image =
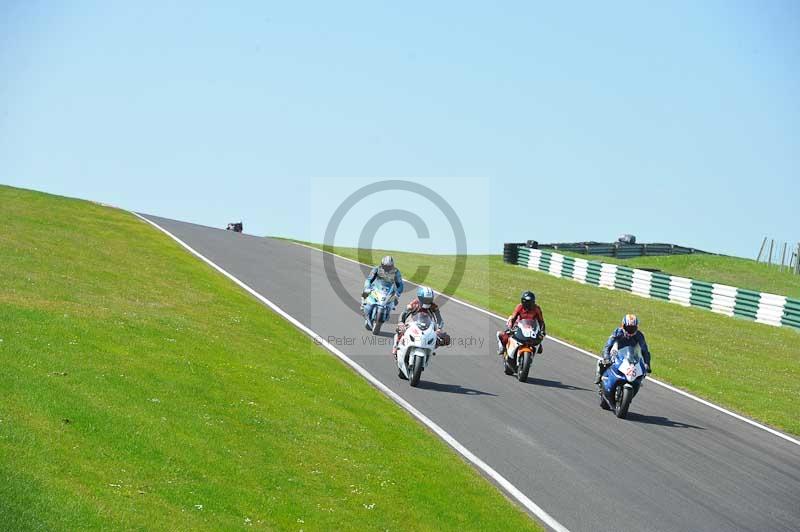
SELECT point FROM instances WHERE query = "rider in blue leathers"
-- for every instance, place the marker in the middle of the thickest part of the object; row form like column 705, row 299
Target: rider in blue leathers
column 386, row 272
column 627, row 335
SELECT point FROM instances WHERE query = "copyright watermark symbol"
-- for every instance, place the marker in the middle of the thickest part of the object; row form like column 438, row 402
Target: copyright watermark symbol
column 469, row 342
column 415, row 218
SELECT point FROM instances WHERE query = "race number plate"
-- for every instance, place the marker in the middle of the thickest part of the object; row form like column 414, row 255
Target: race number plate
column 631, row 371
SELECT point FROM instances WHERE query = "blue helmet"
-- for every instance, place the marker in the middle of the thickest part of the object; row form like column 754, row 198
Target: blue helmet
column 425, row 296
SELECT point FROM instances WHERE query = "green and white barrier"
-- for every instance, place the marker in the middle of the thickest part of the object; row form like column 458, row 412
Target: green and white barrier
column 770, row 309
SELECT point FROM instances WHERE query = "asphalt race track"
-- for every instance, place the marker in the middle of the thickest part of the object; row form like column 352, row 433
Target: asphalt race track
column 674, row 464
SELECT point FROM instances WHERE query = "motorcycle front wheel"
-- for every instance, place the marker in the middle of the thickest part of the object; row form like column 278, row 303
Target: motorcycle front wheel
column 524, row 367
column 416, row 371
column 623, row 403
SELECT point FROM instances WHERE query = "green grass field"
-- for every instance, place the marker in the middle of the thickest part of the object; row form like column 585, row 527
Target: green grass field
column 142, row 390
column 748, row 367
column 733, row 271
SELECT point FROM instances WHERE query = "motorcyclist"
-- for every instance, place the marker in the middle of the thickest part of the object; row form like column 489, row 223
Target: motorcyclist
column 626, row 335
column 387, row 272
column 422, row 303
column 526, row 310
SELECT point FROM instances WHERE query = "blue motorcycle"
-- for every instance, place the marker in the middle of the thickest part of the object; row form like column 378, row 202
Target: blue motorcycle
column 621, row 380
column 380, row 301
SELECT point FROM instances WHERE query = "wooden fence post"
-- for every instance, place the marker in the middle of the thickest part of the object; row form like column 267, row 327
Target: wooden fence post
column 783, row 256
column 797, row 260
column 760, row 251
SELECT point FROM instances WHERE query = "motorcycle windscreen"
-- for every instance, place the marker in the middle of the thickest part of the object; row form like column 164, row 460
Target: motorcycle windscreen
column 631, row 353
column 423, row 321
column 630, row 362
column 382, row 290
column 528, row 328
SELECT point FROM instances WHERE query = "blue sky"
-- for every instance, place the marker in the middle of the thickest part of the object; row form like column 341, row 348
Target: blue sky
column 678, row 122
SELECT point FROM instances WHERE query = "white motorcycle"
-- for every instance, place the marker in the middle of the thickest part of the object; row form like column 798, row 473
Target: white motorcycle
column 415, row 348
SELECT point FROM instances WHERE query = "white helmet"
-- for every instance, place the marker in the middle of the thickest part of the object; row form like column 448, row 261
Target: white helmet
column 387, row 263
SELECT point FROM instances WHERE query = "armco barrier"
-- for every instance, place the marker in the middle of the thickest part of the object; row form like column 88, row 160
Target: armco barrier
column 765, row 308
column 620, row 250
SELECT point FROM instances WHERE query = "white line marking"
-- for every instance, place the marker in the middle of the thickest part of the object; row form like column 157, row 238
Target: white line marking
column 450, row 440
column 562, row 342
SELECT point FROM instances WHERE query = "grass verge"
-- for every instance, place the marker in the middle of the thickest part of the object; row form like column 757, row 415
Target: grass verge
column 746, row 366
column 142, row 390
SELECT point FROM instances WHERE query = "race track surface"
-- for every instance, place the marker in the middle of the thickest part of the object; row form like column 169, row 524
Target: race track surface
column 674, row 464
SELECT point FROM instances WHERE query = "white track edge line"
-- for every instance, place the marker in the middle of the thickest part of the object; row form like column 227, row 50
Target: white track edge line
column 450, row 440
column 585, row 352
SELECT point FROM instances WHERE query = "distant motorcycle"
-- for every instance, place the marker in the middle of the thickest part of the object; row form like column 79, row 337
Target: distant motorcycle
column 236, row 227
column 622, row 380
column 521, row 348
column 380, row 301
column 416, row 347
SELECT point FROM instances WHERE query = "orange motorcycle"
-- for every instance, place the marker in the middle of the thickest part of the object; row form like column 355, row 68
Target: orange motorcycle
column 521, row 348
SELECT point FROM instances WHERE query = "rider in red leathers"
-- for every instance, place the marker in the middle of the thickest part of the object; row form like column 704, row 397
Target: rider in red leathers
column 526, row 310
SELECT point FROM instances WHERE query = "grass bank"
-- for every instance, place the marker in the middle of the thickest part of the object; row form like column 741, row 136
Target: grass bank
column 746, row 366
column 733, row 271
column 142, row 390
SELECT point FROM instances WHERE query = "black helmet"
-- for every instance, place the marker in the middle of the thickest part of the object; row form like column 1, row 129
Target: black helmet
column 528, row 300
